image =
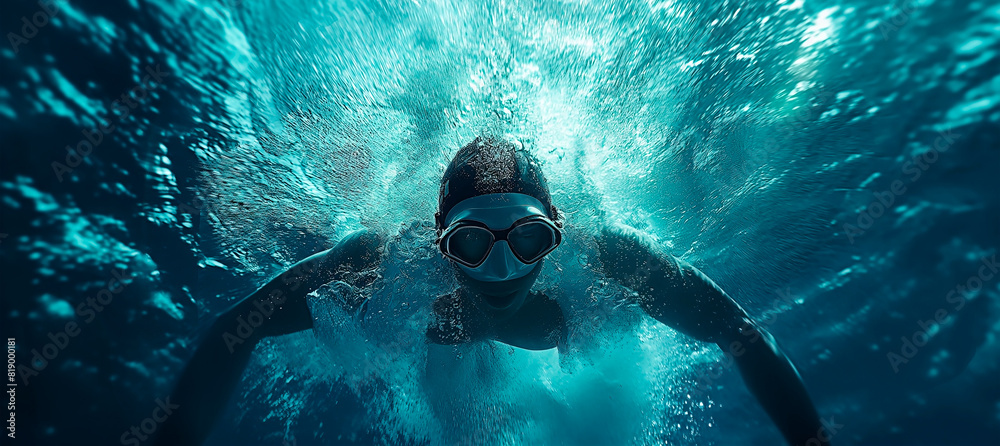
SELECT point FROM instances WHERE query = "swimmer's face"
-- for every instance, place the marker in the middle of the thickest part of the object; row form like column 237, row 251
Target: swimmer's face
column 496, row 243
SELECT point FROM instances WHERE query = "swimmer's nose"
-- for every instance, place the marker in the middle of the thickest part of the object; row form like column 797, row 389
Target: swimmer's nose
column 501, row 263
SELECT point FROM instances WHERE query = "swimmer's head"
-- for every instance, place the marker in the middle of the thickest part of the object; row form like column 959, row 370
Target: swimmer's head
column 489, row 166
column 496, row 220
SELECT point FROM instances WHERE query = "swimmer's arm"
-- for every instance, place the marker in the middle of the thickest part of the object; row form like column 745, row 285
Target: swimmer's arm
column 680, row 296
column 212, row 373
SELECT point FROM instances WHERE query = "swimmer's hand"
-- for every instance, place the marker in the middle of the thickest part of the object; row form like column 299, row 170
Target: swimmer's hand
column 683, row 298
column 277, row 308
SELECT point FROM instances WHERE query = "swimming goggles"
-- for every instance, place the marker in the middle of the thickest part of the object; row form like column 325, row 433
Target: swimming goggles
column 469, row 242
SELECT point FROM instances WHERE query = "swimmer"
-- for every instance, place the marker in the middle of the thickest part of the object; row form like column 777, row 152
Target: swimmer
column 495, row 224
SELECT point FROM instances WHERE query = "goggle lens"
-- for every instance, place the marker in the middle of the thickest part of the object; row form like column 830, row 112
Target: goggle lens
column 531, row 240
column 470, row 244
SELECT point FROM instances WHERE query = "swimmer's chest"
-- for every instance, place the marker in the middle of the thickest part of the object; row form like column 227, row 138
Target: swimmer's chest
column 539, row 324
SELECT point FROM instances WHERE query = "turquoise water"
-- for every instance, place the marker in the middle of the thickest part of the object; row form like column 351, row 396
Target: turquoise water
column 832, row 165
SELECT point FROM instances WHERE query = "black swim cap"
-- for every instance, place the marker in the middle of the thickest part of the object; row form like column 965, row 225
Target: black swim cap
column 489, row 166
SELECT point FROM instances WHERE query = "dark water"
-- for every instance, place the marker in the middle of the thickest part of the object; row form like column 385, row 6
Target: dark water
column 832, row 165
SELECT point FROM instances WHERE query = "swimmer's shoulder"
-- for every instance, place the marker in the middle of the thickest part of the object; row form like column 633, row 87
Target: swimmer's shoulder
column 371, row 240
column 358, row 250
